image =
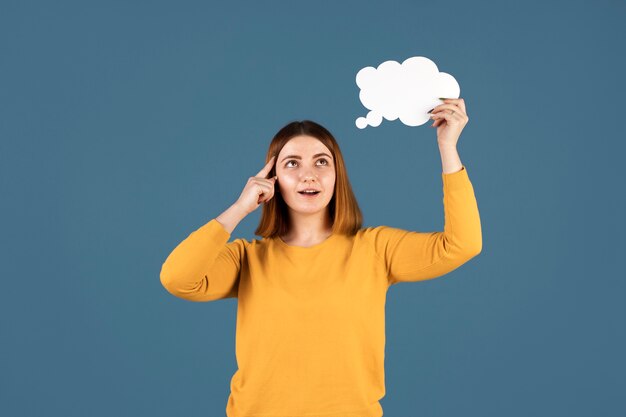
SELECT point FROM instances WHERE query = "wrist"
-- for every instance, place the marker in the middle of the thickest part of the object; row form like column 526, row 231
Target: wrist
column 446, row 147
column 238, row 210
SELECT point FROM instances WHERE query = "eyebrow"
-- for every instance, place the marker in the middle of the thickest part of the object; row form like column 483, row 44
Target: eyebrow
column 313, row 157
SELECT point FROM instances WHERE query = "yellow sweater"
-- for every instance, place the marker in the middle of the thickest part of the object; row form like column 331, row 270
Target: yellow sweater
column 310, row 337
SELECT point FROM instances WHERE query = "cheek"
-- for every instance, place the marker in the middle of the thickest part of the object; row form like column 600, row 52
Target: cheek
column 284, row 176
column 286, row 181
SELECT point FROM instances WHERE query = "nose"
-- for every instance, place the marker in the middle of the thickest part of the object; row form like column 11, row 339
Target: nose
column 309, row 177
column 308, row 173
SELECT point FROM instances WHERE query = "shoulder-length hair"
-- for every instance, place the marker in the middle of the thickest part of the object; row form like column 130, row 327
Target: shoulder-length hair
column 343, row 208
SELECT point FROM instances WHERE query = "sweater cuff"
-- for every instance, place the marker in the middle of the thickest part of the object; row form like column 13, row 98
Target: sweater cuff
column 455, row 180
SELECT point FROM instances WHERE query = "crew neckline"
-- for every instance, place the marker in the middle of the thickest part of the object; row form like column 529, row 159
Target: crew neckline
column 282, row 243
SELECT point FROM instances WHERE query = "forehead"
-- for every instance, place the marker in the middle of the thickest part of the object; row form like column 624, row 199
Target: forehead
column 304, row 144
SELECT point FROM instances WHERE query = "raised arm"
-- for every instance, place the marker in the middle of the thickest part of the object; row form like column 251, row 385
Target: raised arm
column 415, row 256
column 204, row 267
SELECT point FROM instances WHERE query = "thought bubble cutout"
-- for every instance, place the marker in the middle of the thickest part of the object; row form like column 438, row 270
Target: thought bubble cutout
column 406, row 91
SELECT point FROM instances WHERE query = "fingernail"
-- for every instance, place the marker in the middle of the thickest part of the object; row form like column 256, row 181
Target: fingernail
column 442, row 98
column 431, row 110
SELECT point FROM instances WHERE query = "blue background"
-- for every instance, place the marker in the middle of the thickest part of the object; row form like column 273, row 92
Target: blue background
column 128, row 125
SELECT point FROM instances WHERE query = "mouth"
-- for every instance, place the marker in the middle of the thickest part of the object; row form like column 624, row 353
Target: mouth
column 308, row 195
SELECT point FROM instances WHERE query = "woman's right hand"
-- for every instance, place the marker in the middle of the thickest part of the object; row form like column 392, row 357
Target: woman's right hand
column 258, row 189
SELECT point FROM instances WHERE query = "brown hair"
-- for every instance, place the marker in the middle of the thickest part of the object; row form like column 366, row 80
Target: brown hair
column 345, row 213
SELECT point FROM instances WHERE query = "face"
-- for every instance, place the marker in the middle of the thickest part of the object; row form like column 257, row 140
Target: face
column 299, row 166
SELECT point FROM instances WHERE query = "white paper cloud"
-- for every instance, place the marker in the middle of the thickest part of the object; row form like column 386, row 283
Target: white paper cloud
column 406, row 91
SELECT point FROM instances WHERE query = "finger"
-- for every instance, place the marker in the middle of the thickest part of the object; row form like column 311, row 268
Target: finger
column 458, row 101
column 269, row 181
column 266, row 184
column 266, row 194
column 267, row 168
column 439, row 121
column 451, row 118
column 267, row 198
column 262, row 189
column 451, row 107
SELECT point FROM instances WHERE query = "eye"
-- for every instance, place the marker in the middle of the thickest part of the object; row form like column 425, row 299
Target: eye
column 293, row 160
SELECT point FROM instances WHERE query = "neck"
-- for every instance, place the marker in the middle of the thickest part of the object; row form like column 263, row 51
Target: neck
column 309, row 227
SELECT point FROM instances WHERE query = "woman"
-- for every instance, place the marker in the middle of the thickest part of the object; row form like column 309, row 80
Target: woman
column 311, row 294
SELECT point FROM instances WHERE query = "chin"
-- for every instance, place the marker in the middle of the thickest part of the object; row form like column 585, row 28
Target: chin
column 309, row 209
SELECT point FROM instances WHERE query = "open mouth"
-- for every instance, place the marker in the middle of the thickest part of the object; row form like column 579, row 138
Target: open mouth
column 308, row 194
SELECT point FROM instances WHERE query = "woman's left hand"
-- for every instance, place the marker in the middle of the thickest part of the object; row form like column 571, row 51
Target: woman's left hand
column 450, row 119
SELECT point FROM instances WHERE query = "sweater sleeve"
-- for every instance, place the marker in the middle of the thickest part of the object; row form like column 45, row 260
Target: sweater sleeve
column 204, row 267
column 415, row 256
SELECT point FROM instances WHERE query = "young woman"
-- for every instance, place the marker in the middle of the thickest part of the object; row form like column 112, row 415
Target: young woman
column 310, row 335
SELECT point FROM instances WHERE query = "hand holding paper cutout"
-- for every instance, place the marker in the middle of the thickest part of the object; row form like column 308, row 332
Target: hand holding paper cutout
column 406, row 91
column 451, row 118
